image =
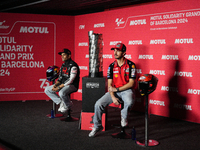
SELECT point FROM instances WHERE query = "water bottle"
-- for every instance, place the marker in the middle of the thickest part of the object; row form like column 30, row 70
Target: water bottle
column 52, row 113
column 133, row 134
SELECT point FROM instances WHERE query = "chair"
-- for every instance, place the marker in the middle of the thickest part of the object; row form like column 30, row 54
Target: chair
column 53, row 113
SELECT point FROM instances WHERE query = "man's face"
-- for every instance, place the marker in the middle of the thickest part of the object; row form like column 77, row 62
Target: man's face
column 65, row 56
column 118, row 54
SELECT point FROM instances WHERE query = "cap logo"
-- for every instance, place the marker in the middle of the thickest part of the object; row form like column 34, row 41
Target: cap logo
column 118, row 45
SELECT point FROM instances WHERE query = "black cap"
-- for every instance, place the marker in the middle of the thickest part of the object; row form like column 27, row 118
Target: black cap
column 66, row 51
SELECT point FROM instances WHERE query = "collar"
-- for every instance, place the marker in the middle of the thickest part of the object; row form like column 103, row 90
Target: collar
column 67, row 62
column 116, row 64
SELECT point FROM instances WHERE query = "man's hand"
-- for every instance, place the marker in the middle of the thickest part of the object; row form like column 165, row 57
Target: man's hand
column 115, row 100
column 112, row 89
column 55, row 88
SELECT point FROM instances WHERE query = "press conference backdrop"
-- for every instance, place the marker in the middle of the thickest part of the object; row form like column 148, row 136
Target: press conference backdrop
column 162, row 39
column 29, row 45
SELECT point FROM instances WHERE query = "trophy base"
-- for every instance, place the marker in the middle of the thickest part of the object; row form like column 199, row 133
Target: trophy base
column 97, row 74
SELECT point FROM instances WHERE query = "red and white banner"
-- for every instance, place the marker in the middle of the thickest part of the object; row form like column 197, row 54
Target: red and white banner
column 29, row 45
column 161, row 39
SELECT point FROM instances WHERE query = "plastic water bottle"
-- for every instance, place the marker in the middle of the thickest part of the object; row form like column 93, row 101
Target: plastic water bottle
column 133, row 134
column 52, row 113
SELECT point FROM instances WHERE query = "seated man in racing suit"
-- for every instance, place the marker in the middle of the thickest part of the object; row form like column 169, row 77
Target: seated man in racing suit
column 68, row 82
column 121, row 79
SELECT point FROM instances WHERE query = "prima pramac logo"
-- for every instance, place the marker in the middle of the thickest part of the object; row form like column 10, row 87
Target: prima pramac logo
column 2, row 26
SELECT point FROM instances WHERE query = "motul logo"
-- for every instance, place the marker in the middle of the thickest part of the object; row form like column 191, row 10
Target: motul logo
column 107, row 56
column 83, row 67
column 83, row 44
column 128, row 57
column 135, row 42
column 183, row 74
column 99, row 25
column 145, row 57
column 158, row 41
column 194, row 57
column 139, row 71
column 115, row 42
column 157, row 102
column 184, row 41
column 34, row 30
column 181, row 106
column 138, row 22
column 171, row 89
column 194, row 91
column 170, row 57
column 157, row 72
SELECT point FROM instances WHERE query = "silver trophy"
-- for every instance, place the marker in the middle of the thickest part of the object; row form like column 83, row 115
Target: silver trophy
column 95, row 54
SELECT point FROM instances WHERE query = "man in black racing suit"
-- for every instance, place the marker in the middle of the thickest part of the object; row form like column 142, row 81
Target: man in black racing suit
column 68, row 82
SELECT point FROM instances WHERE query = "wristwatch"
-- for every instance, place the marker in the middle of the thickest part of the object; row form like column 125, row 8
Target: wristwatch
column 117, row 89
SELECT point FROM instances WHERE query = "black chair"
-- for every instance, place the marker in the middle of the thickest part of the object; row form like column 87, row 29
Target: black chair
column 53, row 113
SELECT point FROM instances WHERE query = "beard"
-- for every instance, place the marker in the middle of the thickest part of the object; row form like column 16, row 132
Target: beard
column 118, row 57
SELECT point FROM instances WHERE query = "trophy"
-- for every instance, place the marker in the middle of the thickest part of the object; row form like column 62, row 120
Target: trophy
column 95, row 54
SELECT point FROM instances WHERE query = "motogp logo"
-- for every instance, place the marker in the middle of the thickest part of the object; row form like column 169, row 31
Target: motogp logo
column 119, row 21
column 1, row 23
